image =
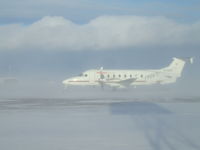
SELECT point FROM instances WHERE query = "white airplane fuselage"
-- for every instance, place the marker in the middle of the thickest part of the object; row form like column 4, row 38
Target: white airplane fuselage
column 127, row 78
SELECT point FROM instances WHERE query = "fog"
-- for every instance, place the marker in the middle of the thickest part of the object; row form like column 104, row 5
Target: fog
column 99, row 123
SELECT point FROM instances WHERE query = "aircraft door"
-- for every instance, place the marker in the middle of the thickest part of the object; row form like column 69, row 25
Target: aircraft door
column 92, row 77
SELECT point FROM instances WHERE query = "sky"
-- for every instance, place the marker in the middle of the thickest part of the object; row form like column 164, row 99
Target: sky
column 60, row 38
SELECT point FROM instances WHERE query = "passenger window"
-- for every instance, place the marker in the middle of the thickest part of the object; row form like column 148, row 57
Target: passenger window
column 119, row 76
column 108, row 76
column 141, row 76
column 86, row 75
column 130, row 76
column 125, row 76
column 113, row 76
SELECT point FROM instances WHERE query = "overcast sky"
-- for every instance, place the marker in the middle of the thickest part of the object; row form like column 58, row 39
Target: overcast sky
column 67, row 36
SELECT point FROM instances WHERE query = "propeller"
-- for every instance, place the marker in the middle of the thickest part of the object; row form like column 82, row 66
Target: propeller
column 102, row 78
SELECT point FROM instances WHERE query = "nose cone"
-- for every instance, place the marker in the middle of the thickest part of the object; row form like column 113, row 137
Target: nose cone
column 65, row 82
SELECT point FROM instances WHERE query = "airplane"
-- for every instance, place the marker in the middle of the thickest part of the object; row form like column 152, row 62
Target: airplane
column 127, row 78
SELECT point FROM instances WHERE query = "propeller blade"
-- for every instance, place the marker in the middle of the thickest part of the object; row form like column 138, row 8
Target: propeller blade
column 101, row 79
column 101, row 76
column 102, row 86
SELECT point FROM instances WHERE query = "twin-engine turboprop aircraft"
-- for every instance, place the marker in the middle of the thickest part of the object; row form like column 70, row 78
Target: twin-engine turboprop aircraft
column 127, row 78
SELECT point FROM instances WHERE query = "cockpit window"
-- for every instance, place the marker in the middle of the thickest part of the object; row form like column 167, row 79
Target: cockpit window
column 81, row 74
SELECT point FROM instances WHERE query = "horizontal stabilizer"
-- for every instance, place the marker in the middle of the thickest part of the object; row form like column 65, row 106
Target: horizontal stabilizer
column 191, row 60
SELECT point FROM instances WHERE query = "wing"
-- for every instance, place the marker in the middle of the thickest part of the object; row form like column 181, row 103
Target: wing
column 127, row 82
column 117, row 82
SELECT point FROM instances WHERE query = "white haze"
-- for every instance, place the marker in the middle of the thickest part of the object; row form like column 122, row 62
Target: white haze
column 101, row 33
column 49, row 89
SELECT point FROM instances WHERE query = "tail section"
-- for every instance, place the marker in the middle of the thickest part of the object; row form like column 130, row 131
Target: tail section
column 176, row 66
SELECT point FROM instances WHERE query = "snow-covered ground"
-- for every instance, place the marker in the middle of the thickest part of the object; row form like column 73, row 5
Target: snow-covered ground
column 101, row 124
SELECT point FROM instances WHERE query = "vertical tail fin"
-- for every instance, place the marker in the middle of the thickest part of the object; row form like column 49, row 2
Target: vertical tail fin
column 176, row 66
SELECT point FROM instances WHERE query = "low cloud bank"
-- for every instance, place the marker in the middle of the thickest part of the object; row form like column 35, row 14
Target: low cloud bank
column 102, row 33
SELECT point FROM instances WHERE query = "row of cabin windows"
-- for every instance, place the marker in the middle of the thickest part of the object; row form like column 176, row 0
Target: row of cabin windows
column 131, row 76
column 108, row 76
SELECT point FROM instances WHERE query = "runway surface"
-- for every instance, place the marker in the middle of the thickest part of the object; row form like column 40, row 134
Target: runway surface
column 100, row 124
